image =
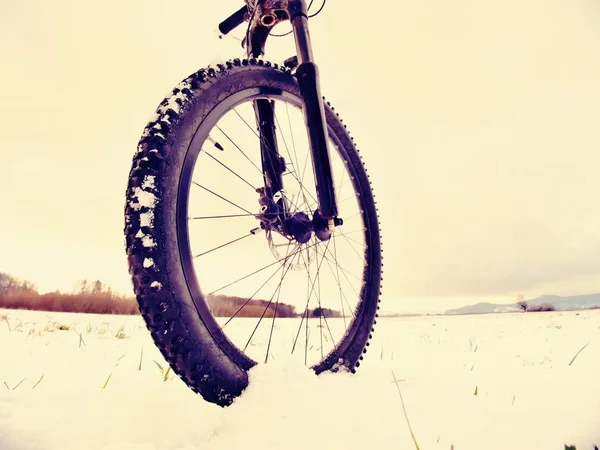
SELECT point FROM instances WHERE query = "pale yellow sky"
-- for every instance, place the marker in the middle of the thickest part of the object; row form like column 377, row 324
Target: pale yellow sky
column 478, row 122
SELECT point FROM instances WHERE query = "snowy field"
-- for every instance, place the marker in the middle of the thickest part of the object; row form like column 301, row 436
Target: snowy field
column 505, row 381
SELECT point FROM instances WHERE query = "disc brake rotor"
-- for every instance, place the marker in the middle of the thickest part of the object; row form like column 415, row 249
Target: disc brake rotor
column 281, row 251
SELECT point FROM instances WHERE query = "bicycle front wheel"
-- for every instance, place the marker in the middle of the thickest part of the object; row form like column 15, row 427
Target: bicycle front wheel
column 219, row 287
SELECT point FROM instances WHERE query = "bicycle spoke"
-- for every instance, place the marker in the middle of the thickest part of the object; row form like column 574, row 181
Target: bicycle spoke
column 247, row 124
column 361, row 257
column 346, row 219
column 360, row 230
column 312, row 287
column 250, row 298
column 303, row 189
column 342, row 232
column 287, row 110
column 306, row 332
column 306, row 341
column 342, row 268
column 304, row 172
column 320, row 307
column 277, row 289
column 252, row 233
column 339, row 283
column 339, row 190
column 233, row 172
column 347, row 279
column 221, row 197
column 241, row 151
column 253, row 273
column 322, row 312
column 255, row 132
column 275, row 313
column 291, row 201
column 305, row 313
column 313, row 205
column 228, row 216
column 337, row 279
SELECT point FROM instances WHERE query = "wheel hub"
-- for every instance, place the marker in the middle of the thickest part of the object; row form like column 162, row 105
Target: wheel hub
column 299, row 226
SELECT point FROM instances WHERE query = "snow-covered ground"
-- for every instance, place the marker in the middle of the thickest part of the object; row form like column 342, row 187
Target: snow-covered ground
column 472, row 382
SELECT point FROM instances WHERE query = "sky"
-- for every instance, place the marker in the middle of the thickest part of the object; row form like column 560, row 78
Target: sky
column 478, row 122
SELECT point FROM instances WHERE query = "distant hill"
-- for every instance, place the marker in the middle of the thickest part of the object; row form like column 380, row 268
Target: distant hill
column 559, row 303
column 568, row 303
column 484, row 308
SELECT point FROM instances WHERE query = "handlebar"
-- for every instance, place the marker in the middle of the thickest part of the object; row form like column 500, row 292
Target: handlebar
column 233, row 21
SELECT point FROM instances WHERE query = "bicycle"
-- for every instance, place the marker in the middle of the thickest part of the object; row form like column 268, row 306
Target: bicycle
column 202, row 301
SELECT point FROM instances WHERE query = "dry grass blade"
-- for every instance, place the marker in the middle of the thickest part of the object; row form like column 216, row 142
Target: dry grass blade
column 141, row 357
column 396, row 381
column 167, row 374
column 160, row 367
column 19, row 384
column 5, row 319
column 81, row 341
column 580, row 350
column 107, row 380
column 121, row 333
column 120, row 358
column 39, row 381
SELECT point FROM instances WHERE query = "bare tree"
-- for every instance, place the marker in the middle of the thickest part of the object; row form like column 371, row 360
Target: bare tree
column 521, row 303
column 12, row 285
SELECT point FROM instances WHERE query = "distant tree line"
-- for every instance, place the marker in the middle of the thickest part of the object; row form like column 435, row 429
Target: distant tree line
column 228, row 306
column 98, row 298
column 87, row 297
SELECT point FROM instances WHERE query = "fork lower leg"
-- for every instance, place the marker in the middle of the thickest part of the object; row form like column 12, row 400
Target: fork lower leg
column 314, row 113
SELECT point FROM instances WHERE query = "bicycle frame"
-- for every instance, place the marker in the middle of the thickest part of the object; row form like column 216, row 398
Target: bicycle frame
column 263, row 15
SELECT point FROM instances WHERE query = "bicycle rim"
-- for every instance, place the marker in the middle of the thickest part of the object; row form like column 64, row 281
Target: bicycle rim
column 262, row 296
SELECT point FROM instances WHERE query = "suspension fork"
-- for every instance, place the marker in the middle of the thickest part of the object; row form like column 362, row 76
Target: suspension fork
column 307, row 74
column 314, row 117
